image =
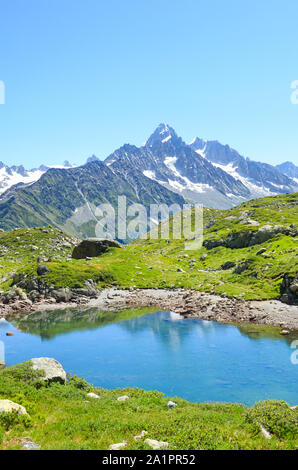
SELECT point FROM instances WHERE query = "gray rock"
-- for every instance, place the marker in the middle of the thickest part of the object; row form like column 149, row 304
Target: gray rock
column 64, row 294
column 140, row 436
column 92, row 247
column 118, row 446
column 155, row 445
column 54, row 371
column 228, row 265
column 42, row 269
column 249, row 221
column 8, row 406
column 93, row 395
column 289, row 290
column 172, row 404
column 247, row 238
column 240, row 268
column 123, row 398
column 261, row 251
column 28, row 444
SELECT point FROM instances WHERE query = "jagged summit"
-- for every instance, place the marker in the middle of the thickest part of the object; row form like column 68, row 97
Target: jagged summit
column 289, row 169
column 207, row 172
column 162, row 134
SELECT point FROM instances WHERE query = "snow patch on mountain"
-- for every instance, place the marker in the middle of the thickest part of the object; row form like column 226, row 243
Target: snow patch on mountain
column 10, row 176
column 256, row 190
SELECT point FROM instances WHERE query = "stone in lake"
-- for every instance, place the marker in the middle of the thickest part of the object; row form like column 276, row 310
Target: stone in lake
column 92, row 247
column 54, row 371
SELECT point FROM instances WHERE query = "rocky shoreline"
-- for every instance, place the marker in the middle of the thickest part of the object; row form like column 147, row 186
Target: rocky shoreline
column 189, row 303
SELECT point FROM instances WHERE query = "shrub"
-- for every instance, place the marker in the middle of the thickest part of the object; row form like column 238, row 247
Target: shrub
column 8, row 420
column 276, row 416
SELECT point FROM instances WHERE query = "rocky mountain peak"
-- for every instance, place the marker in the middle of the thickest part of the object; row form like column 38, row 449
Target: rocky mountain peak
column 163, row 134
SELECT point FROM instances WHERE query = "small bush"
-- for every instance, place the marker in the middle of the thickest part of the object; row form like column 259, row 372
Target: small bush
column 276, row 416
column 9, row 420
column 77, row 382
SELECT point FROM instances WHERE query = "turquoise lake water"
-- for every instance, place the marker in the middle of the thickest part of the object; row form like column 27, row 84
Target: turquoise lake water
column 191, row 358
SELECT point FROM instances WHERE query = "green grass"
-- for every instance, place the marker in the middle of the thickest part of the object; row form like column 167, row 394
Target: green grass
column 63, row 417
column 156, row 263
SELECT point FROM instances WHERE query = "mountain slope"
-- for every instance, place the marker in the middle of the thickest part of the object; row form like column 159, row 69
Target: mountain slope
column 289, row 169
column 165, row 158
column 261, row 179
column 165, row 169
column 67, row 199
column 238, row 258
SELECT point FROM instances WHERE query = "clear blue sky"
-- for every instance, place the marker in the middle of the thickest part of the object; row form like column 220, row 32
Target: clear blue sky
column 86, row 76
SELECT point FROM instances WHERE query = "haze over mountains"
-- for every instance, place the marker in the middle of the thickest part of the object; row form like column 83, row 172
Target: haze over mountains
column 164, row 169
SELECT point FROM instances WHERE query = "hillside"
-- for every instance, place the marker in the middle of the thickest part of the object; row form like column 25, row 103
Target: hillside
column 163, row 170
column 67, row 199
column 249, row 252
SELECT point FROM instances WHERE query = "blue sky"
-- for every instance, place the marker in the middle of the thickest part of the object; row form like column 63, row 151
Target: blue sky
column 86, row 76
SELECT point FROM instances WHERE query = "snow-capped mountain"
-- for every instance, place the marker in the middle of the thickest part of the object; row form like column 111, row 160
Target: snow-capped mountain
column 10, row 176
column 203, row 171
column 289, row 169
column 261, row 179
column 206, row 172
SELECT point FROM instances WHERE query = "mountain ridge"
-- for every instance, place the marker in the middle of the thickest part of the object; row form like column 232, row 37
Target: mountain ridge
column 163, row 170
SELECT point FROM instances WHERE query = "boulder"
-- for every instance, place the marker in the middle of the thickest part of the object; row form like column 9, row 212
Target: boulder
column 30, row 446
column 7, row 406
column 228, row 265
column 64, row 294
column 243, row 239
column 289, row 290
column 42, row 269
column 240, row 268
column 90, row 289
column 123, row 398
column 155, row 445
column 118, row 446
column 92, row 247
column 172, row 404
column 54, row 371
column 93, row 395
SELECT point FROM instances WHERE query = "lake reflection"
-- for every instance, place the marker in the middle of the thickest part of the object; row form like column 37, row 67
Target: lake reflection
column 191, row 358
